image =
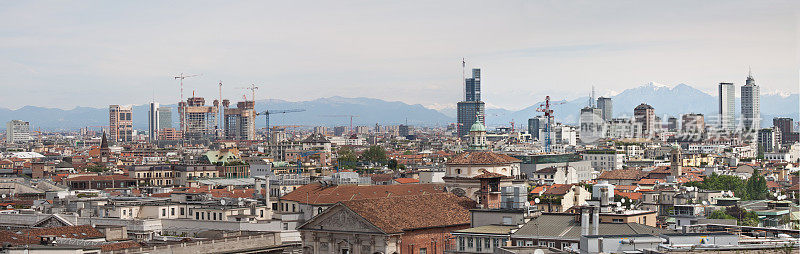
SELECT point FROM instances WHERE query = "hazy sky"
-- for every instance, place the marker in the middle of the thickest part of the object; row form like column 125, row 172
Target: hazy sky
column 83, row 53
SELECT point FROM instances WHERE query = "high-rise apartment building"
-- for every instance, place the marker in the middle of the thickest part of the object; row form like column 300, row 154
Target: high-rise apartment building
column 751, row 108
column 606, row 106
column 164, row 118
column 240, row 121
column 645, row 115
column 536, row 125
column 672, row 123
column 769, row 140
column 467, row 112
column 784, row 124
column 694, row 123
column 727, row 106
column 152, row 122
column 120, row 123
column 197, row 120
column 405, row 130
column 473, row 86
column 18, row 131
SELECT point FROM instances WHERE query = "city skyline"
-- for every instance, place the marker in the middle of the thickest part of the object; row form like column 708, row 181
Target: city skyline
column 524, row 53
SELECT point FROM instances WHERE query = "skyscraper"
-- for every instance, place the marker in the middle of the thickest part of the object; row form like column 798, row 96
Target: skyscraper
column 645, row 116
column 197, row 119
column 536, row 125
column 164, row 118
column 727, row 106
column 751, row 108
column 472, row 108
column 784, row 124
column 592, row 124
column 18, row 131
column 693, row 123
column 120, row 124
column 467, row 112
column 604, row 104
column 473, row 86
column 153, row 121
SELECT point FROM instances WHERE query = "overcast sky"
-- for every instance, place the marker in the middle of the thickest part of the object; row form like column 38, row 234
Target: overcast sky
column 82, row 53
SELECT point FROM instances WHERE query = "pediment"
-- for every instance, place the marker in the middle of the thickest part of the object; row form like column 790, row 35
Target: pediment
column 339, row 218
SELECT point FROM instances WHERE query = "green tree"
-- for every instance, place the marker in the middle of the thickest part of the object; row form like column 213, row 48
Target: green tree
column 392, row 164
column 756, row 187
column 721, row 214
column 374, row 154
column 347, row 158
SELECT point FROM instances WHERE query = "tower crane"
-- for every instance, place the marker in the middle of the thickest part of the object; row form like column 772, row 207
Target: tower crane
column 183, row 114
column 548, row 113
column 266, row 113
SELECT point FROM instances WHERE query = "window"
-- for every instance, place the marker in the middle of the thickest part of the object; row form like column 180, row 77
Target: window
column 319, row 210
column 616, row 220
column 285, row 226
column 202, row 216
column 182, row 210
column 215, row 216
column 497, row 242
column 551, row 244
column 461, row 243
column 293, row 208
column 487, row 243
column 564, row 245
column 172, row 211
column 478, row 246
column 541, row 243
column 507, row 220
column 261, row 213
column 423, row 251
column 197, row 215
column 164, row 212
column 469, row 242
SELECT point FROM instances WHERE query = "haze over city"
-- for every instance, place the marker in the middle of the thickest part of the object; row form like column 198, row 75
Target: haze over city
column 96, row 53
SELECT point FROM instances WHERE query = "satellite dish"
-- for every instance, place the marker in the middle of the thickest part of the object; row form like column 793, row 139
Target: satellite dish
column 536, row 200
column 538, row 251
column 4, row 196
column 705, row 202
column 222, row 201
column 623, row 200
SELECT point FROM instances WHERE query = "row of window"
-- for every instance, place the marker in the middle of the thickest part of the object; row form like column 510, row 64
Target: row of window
column 479, row 243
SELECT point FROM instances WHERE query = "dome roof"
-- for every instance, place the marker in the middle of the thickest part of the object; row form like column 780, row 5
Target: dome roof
column 477, row 126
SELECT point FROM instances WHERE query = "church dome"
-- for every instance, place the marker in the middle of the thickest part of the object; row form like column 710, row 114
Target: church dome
column 477, row 126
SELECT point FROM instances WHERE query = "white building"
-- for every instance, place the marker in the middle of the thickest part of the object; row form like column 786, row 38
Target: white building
column 18, row 131
column 604, row 160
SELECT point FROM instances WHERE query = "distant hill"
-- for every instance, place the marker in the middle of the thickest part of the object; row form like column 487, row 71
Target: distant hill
column 369, row 112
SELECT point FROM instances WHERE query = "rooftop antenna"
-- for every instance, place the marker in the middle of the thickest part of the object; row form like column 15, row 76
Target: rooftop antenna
column 749, row 72
column 464, row 77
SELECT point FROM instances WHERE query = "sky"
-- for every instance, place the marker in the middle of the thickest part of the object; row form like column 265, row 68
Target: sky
column 65, row 54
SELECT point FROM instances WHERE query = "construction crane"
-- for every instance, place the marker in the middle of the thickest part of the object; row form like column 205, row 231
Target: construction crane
column 350, row 116
column 548, row 113
column 272, row 112
column 183, row 115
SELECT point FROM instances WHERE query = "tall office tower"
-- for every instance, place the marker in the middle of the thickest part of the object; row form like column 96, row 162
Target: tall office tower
column 751, row 108
column 197, row 119
column 152, row 122
column 727, row 105
column 784, row 124
column 240, row 121
column 604, row 104
column 18, row 131
column 536, row 126
column 339, row 130
column 467, row 112
column 164, row 118
column 120, row 124
column 405, row 130
column 645, row 115
column 473, row 86
column 592, row 124
column 694, row 123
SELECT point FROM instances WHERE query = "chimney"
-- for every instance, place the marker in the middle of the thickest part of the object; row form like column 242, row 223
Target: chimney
column 584, row 221
column 596, row 220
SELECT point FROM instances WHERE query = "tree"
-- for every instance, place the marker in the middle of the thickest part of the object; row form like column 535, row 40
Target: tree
column 374, row 154
column 743, row 217
column 721, row 214
column 347, row 158
column 392, row 164
column 756, row 187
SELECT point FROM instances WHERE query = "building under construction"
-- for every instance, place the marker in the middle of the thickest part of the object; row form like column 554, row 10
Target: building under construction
column 198, row 121
column 240, row 121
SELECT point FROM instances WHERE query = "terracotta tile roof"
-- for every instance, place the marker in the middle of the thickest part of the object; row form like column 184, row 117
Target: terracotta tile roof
column 622, row 174
column 625, row 188
column 381, row 177
column 772, row 185
column 406, row 180
column 630, row 195
column 403, row 213
column 648, row 181
column 539, row 189
column 13, row 238
column 490, row 175
column 481, row 158
column 315, row 193
column 120, row 246
column 75, row 232
column 558, row 189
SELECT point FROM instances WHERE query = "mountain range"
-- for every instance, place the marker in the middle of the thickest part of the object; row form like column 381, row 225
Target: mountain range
column 331, row 111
